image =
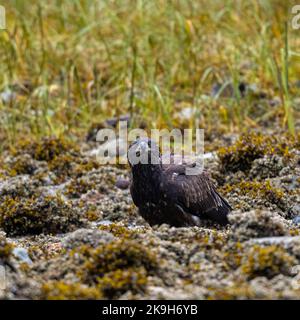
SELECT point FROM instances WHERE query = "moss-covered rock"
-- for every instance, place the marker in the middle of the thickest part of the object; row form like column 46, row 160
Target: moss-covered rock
column 123, row 258
column 120, row 231
column 63, row 165
column 267, row 167
column 45, row 149
column 236, row 291
column 77, row 187
column 22, row 164
column 252, row 146
column 19, row 186
column 113, row 284
column 69, row 165
column 267, row 261
column 60, row 290
column 118, row 254
column 88, row 237
column 257, row 224
column 5, row 248
column 37, row 214
column 256, row 190
column 115, row 267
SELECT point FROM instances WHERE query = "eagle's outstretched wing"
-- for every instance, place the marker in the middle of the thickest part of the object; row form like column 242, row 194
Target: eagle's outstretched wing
column 194, row 194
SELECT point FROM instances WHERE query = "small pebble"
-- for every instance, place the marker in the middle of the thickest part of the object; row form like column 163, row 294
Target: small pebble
column 296, row 220
column 122, row 184
column 22, row 255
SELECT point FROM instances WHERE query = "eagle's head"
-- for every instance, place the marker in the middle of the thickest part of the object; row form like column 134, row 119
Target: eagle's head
column 144, row 151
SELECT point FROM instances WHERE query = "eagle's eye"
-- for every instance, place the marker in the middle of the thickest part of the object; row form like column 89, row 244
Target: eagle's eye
column 138, row 153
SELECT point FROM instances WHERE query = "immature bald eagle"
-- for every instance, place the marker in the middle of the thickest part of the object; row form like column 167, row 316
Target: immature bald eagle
column 165, row 194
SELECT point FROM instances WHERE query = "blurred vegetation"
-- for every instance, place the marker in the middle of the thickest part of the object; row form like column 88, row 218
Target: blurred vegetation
column 65, row 64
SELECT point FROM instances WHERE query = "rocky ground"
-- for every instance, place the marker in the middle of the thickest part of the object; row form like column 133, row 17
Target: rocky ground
column 68, row 232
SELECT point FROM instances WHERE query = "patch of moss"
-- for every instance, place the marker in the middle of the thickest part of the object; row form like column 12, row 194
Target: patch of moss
column 92, row 215
column 119, row 231
column 62, row 165
column 120, row 254
column 45, row 251
column 68, row 165
column 5, row 248
column 234, row 292
column 3, row 172
column 256, row 224
column 267, row 261
column 85, row 165
column 294, row 231
column 21, row 165
column 256, row 189
column 35, row 215
column 3, row 175
column 78, row 187
column 24, row 267
column 45, row 149
column 252, row 146
column 117, row 282
column 233, row 256
column 213, row 240
column 60, row 290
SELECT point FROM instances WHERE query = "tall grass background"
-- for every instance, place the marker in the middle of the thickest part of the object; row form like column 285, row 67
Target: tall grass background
column 66, row 64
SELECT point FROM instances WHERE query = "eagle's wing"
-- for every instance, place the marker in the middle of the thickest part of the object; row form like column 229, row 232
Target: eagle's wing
column 194, row 194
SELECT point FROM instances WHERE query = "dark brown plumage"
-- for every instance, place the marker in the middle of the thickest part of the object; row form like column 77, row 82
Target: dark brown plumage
column 165, row 194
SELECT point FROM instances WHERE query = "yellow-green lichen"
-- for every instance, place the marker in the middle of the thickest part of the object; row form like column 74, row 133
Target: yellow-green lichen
column 256, row 189
column 45, row 251
column 69, row 165
column 35, row 215
column 267, row 261
column 78, row 187
column 60, row 290
column 252, row 146
column 234, row 292
column 120, row 231
column 116, row 267
column 117, row 282
column 21, row 165
column 45, row 149
column 92, row 215
column 62, row 165
column 84, row 166
column 233, row 256
column 118, row 254
column 5, row 248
